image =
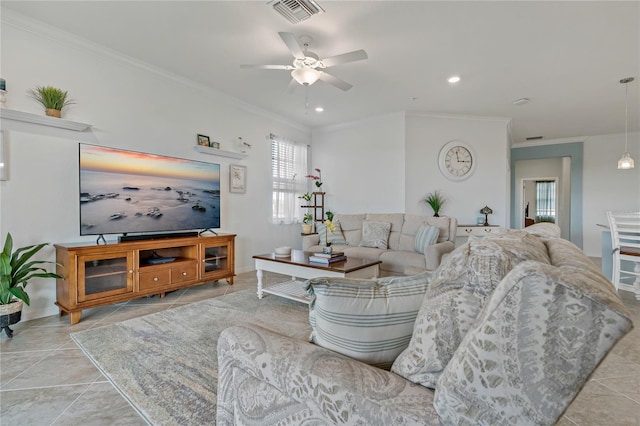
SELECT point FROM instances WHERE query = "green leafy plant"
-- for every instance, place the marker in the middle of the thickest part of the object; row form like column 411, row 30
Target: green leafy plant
column 435, row 200
column 51, row 97
column 330, row 215
column 16, row 270
column 307, row 218
column 306, row 197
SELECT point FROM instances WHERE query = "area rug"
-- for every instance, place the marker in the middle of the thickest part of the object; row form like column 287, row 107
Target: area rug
column 165, row 363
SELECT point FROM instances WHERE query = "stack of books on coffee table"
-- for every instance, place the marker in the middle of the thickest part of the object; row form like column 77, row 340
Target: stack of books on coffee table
column 327, row 258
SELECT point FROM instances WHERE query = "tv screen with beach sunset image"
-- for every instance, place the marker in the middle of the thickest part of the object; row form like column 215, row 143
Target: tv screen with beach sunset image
column 125, row 192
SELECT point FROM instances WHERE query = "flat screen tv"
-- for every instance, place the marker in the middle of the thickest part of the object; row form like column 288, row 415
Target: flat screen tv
column 129, row 192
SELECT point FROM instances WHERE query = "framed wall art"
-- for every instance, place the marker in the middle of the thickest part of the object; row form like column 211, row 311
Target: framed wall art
column 215, row 145
column 237, row 178
column 203, row 140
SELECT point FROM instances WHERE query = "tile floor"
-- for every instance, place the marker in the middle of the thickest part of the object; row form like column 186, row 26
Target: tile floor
column 46, row 380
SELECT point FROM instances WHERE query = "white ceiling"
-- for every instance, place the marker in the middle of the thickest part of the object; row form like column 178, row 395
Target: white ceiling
column 566, row 57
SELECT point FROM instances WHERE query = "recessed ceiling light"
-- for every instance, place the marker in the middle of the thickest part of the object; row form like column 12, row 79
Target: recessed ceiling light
column 319, row 109
column 454, row 79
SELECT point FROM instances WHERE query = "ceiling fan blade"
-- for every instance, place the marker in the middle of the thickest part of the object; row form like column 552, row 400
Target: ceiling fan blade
column 335, row 81
column 356, row 55
column 292, row 43
column 267, row 67
column 293, row 84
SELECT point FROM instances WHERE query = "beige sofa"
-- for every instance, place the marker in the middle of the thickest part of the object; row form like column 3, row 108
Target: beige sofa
column 400, row 256
column 508, row 331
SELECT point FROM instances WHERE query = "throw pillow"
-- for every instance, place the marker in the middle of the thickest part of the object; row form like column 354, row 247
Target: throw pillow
column 375, row 234
column 327, row 237
column 427, row 235
column 459, row 290
column 369, row 320
column 532, row 347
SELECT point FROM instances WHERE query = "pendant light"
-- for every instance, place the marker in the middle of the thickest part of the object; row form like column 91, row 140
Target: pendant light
column 626, row 162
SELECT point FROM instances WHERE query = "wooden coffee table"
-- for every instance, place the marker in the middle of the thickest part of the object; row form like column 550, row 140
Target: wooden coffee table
column 298, row 266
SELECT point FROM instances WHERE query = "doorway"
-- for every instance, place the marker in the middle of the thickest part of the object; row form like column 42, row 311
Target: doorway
column 540, row 200
column 570, row 155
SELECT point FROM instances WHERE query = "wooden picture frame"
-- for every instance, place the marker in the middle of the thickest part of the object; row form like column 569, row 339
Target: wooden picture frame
column 237, row 178
column 203, row 140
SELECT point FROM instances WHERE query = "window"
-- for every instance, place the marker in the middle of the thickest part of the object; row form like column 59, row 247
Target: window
column 288, row 171
column 546, row 201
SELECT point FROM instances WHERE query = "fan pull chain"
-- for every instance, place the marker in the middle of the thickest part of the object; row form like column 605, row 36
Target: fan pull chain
column 306, row 99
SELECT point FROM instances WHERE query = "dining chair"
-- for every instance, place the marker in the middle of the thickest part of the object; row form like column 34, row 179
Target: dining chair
column 625, row 242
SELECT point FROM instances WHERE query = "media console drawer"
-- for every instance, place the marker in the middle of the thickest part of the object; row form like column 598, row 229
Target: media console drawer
column 156, row 278
column 101, row 274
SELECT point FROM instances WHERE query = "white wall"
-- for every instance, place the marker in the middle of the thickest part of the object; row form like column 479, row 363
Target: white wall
column 363, row 165
column 130, row 106
column 389, row 163
column 488, row 185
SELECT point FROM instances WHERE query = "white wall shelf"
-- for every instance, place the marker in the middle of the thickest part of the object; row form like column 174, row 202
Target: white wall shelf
column 219, row 152
column 43, row 120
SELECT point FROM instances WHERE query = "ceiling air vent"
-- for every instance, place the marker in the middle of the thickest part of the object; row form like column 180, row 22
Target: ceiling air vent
column 296, row 10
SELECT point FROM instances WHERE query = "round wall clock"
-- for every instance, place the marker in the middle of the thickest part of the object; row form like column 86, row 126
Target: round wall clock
column 456, row 160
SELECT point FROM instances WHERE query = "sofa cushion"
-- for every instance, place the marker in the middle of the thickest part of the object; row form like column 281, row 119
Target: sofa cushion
column 351, row 227
column 332, row 238
column 403, row 262
column 396, row 220
column 413, row 222
column 457, row 293
column 375, row 234
column 426, row 236
column 368, row 320
column 542, row 333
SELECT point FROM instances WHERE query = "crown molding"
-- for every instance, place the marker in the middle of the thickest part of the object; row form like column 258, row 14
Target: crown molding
column 411, row 113
column 40, row 29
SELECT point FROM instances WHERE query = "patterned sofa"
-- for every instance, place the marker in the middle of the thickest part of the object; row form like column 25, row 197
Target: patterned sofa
column 508, row 330
column 399, row 256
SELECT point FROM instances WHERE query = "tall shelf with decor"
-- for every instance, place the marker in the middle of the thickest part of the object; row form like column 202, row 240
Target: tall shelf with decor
column 316, row 204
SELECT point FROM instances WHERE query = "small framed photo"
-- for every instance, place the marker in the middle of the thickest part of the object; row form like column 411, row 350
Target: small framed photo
column 203, row 140
column 237, row 178
column 215, row 145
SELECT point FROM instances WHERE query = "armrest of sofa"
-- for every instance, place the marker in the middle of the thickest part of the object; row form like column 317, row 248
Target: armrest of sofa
column 533, row 346
column 309, row 241
column 265, row 375
column 433, row 254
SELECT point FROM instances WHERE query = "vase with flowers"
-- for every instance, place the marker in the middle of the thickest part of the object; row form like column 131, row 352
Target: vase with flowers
column 329, row 226
column 317, row 179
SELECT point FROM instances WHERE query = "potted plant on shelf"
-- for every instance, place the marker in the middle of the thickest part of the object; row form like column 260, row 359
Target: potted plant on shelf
column 15, row 272
column 52, row 98
column 435, row 200
column 306, row 223
column 306, row 197
column 317, row 180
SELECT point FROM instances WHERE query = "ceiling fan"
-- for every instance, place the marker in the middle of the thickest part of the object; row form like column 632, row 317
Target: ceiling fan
column 307, row 67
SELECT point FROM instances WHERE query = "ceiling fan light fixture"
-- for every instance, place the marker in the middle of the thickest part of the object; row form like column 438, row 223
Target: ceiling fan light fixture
column 305, row 75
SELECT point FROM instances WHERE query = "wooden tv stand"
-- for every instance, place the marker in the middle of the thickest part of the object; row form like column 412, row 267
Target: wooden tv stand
column 101, row 274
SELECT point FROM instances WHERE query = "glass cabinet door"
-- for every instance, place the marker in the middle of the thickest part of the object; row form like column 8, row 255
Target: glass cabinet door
column 215, row 259
column 104, row 275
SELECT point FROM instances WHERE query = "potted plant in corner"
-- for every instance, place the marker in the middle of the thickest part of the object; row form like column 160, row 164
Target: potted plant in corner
column 306, row 223
column 52, row 98
column 15, row 272
column 435, row 200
